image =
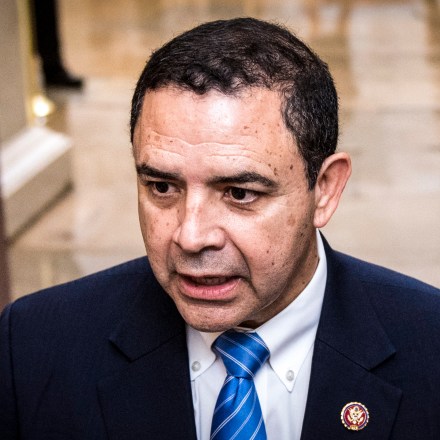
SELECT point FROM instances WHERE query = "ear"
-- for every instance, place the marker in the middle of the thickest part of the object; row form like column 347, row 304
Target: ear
column 330, row 183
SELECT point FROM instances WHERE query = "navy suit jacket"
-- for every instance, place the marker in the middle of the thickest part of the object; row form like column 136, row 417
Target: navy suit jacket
column 105, row 357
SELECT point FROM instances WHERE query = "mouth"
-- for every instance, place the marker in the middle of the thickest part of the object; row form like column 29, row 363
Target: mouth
column 208, row 281
column 208, row 287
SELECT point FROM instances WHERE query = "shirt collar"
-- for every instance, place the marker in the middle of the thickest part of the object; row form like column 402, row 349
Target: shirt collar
column 290, row 334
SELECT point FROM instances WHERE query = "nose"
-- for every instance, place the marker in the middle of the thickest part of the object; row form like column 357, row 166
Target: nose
column 199, row 227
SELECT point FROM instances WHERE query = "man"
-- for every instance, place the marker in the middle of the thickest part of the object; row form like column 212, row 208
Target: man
column 234, row 128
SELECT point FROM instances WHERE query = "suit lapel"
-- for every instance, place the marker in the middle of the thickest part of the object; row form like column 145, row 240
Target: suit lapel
column 149, row 394
column 350, row 344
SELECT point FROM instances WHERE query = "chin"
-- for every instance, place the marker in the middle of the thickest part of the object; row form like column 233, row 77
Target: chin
column 209, row 327
column 209, row 322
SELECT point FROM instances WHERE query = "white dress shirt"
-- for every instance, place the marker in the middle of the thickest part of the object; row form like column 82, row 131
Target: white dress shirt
column 282, row 382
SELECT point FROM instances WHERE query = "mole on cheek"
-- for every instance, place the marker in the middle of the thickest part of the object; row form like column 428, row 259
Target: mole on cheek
column 291, row 221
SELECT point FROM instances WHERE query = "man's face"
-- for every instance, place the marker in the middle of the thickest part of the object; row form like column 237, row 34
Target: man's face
column 224, row 207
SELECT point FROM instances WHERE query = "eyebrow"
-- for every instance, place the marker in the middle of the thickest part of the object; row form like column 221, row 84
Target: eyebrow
column 239, row 178
column 146, row 170
column 245, row 177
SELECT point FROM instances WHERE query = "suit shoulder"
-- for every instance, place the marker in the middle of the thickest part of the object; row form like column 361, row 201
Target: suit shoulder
column 369, row 273
column 393, row 294
column 114, row 286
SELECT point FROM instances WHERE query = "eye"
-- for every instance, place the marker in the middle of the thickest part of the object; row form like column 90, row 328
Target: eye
column 238, row 193
column 161, row 187
column 242, row 195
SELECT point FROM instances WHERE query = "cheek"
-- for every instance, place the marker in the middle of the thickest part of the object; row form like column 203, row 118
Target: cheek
column 275, row 247
column 157, row 241
column 264, row 250
column 144, row 221
column 291, row 221
column 154, row 226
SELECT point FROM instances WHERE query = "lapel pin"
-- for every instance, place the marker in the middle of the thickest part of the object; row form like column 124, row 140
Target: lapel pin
column 355, row 416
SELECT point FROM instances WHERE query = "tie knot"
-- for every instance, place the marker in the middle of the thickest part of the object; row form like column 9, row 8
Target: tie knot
column 242, row 353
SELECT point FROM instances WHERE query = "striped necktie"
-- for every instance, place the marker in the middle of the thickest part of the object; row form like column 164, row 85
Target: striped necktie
column 237, row 413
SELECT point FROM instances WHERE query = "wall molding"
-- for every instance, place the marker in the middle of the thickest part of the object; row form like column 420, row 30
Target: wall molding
column 36, row 169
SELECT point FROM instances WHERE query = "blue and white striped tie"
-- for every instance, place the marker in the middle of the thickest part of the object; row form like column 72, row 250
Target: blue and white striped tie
column 237, row 414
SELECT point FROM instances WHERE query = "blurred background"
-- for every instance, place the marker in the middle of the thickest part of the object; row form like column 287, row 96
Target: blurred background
column 67, row 177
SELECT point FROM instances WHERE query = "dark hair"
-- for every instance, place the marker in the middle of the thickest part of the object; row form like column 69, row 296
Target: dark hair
column 232, row 55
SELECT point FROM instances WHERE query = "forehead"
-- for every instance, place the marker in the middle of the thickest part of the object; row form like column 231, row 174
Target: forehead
column 211, row 132
column 254, row 112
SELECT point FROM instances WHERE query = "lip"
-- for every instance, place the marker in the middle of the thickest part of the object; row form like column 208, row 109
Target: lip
column 210, row 287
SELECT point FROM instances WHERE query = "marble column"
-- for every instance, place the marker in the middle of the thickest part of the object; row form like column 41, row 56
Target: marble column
column 35, row 161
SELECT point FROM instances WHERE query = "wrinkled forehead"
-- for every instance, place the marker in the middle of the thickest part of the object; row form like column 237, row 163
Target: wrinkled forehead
column 180, row 130
column 212, row 116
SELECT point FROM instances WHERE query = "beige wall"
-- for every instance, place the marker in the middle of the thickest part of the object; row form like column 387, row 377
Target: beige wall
column 12, row 84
